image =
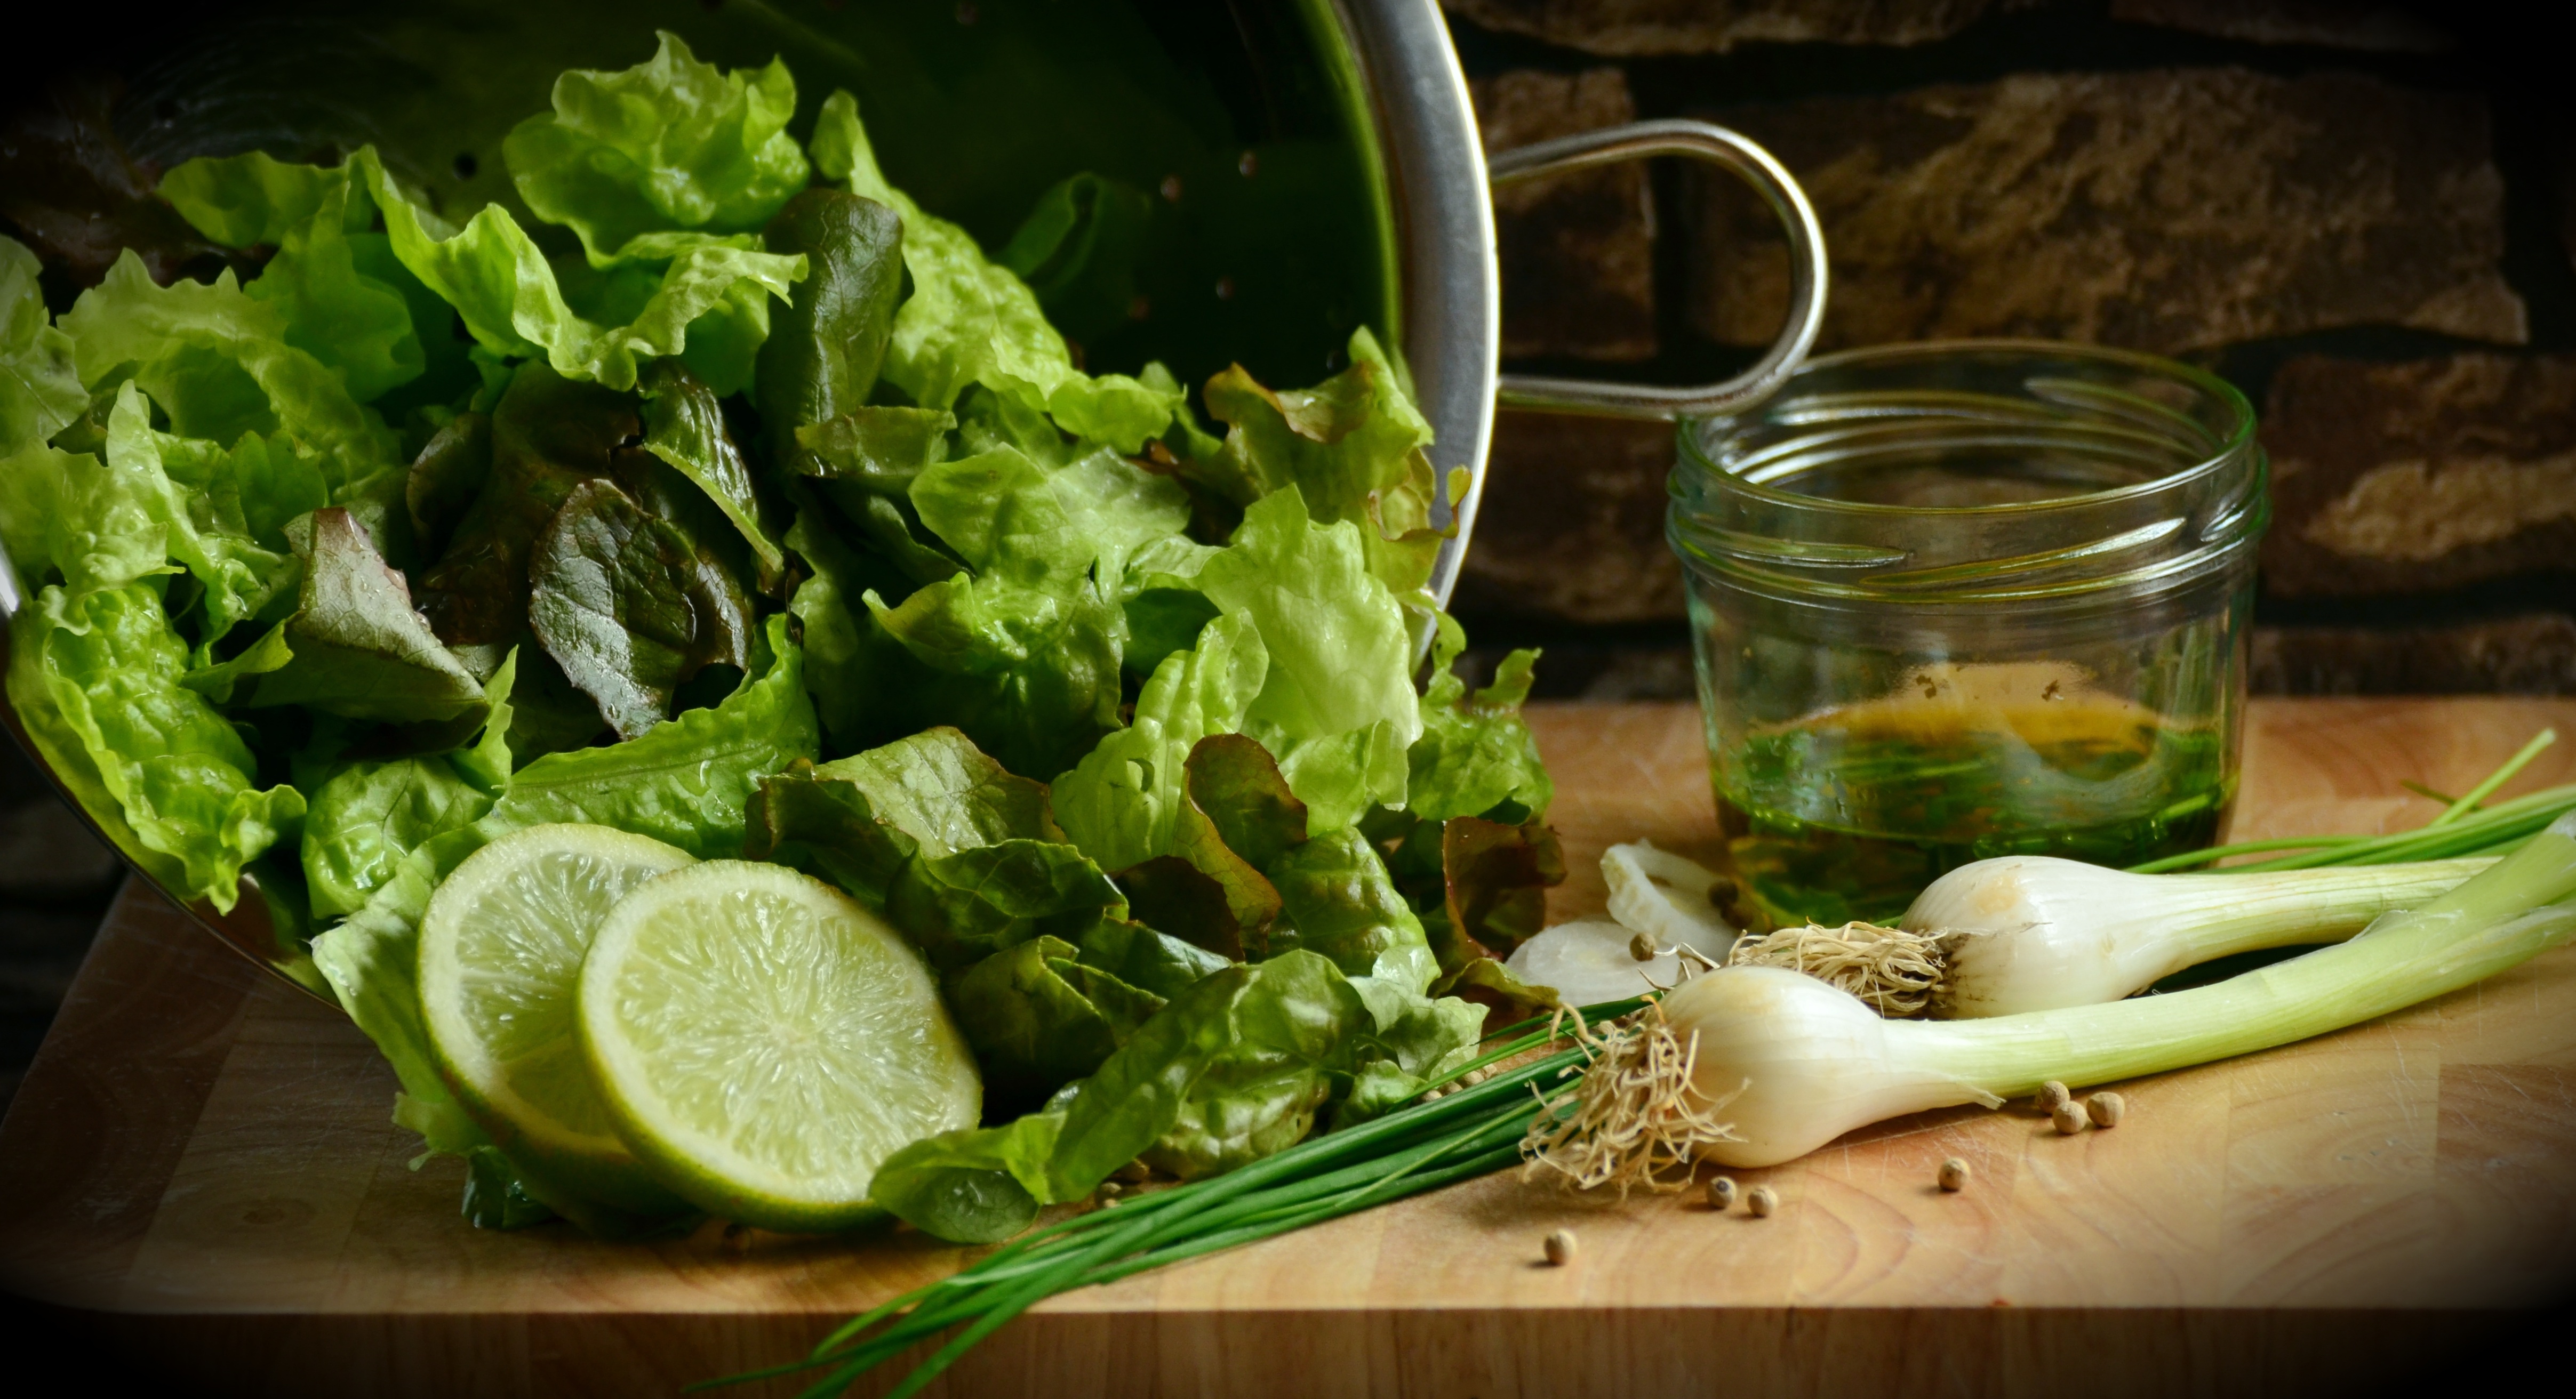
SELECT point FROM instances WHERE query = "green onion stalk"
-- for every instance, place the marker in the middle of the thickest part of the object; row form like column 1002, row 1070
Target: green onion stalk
column 2022, row 933
column 1797, row 1062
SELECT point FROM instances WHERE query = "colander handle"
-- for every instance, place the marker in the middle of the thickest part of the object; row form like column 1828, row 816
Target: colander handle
column 1718, row 146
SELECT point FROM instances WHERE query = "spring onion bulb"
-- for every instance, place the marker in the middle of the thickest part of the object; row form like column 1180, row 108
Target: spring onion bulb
column 2033, row 932
column 1798, row 1063
column 1664, row 897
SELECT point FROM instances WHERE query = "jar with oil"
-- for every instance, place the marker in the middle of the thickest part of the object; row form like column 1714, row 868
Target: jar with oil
column 1953, row 601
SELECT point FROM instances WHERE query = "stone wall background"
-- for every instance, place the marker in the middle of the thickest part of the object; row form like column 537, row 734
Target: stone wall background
column 2362, row 214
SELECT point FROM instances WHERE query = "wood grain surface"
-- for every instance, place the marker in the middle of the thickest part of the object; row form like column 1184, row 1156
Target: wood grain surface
column 200, row 1163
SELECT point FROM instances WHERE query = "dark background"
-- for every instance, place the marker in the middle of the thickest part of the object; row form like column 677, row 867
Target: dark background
column 2363, row 214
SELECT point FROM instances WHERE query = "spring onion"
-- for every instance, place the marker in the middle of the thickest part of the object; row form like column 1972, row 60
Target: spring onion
column 1795, row 1063
column 2026, row 933
column 2032, row 932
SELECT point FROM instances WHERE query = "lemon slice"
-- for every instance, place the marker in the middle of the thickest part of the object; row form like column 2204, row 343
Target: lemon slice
column 501, row 949
column 763, row 1041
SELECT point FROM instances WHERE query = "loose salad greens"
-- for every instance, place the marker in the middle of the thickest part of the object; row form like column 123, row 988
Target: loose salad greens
column 745, row 505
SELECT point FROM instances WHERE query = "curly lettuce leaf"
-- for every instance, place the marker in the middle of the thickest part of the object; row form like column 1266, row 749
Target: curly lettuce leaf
column 513, row 305
column 217, row 361
column 1495, row 880
column 549, row 434
column 1476, row 756
column 940, row 789
column 1037, row 1018
column 963, row 907
column 1352, row 446
column 1122, row 803
column 40, row 390
column 1148, row 960
column 445, row 478
column 97, row 676
column 1032, row 678
column 1338, row 901
column 1337, row 708
column 1239, row 1063
column 369, row 816
column 829, row 828
column 860, row 821
column 970, row 321
column 177, row 483
column 320, row 277
column 1295, row 1029
column 671, row 143
column 848, row 658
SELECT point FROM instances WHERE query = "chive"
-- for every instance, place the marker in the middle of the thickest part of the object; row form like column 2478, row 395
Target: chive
column 1469, row 1132
column 2469, row 800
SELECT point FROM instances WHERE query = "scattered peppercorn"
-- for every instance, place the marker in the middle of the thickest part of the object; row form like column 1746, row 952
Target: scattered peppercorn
column 1954, row 1174
column 1761, row 1201
column 1721, row 1194
column 1560, row 1248
column 2069, row 1118
column 2106, row 1109
column 1642, row 948
column 2052, row 1095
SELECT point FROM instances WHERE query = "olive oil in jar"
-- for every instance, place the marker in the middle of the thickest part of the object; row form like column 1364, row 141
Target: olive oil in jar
column 1847, row 814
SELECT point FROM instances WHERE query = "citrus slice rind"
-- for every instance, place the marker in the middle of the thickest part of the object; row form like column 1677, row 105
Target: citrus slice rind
column 501, row 950
column 763, row 1041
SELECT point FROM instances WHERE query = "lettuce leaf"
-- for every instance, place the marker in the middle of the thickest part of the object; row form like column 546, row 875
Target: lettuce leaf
column 512, row 303
column 319, row 279
column 40, row 390
column 1476, row 756
column 1337, row 708
column 98, row 675
column 549, row 434
column 631, row 605
column 1122, row 803
column 671, row 143
column 1032, row 678
column 216, row 360
column 354, row 647
column 1352, row 446
column 368, row 816
column 941, row 790
column 1038, row 1018
column 684, row 426
column 970, row 321
column 1338, row 900
column 860, row 820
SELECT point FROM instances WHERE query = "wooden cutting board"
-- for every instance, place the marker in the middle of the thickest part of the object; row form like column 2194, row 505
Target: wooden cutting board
column 200, row 1162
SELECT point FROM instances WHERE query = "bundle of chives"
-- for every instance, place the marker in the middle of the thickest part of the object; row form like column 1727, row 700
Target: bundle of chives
column 1471, row 1131
column 2465, row 827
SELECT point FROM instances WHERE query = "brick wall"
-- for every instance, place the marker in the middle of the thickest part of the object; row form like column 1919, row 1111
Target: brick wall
column 2362, row 214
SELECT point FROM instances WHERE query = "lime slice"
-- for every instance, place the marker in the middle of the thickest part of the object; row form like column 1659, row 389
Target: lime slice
column 501, row 948
column 763, row 1042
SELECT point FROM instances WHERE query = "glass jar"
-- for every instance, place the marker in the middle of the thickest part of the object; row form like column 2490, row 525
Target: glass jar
column 1958, row 600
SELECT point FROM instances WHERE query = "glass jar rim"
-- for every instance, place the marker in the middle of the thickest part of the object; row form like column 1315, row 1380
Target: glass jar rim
column 1695, row 433
column 2190, row 506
